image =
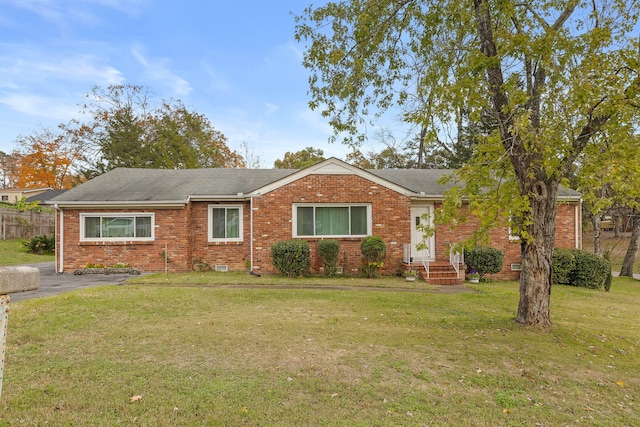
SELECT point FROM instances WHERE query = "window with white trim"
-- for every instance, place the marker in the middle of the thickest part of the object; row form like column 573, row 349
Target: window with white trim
column 225, row 223
column 117, row 226
column 331, row 220
column 515, row 227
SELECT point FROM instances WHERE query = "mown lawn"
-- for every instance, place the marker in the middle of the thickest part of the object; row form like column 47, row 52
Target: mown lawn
column 13, row 252
column 211, row 355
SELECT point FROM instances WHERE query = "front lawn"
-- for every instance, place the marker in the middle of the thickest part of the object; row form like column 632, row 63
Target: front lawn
column 13, row 252
column 212, row 355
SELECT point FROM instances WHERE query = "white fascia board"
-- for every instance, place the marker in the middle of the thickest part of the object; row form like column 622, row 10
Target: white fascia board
column 333, row 166
column 120, row 204
column 219, row 198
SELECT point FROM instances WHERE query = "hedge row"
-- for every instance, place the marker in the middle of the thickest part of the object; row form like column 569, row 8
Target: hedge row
column 580, row 268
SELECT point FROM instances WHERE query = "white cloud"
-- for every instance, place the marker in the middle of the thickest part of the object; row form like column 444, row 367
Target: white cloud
column 158, row 70
column 19, row 69
column 40, row 106
column 217, row 84
column 271, row 109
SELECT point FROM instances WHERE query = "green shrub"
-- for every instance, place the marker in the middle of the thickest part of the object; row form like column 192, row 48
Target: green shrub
column 41, row 245
column 484, row 260
column 329, row 251
column 291, row 257
column 374, row 251
column 564, row 262
column 591, row 271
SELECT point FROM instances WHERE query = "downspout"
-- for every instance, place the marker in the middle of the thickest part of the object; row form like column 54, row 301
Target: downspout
column 251, row 233
column 577, row 210
column 60, row 233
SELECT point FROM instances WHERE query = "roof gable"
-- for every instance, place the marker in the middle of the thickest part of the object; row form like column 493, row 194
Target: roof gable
column 332, row 166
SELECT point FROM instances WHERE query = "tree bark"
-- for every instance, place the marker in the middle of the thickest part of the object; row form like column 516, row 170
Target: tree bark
column 597, row 234
column 632, row 250
column 537, row 255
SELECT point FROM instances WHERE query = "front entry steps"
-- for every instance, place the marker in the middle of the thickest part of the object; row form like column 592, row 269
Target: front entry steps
column 440, row 273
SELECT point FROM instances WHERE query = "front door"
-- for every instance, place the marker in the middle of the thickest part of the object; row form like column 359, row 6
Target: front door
column 420, row 215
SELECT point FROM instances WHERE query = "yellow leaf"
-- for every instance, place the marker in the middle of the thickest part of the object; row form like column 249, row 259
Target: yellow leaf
column 620, row 383
column 135, row 398
column 506, row 411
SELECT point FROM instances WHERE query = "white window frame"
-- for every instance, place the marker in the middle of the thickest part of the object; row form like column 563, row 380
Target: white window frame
column 83, row 217
column 210, row 209
column 513, row 237
column 294, row 221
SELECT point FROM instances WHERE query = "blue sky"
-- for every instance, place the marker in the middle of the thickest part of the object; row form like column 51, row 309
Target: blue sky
column 235, row 61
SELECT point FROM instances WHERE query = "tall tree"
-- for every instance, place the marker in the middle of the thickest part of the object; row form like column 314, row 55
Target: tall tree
column 127, row 131
column 300, row 159
column 47, row 159
column 8, row 173
column 552, row 73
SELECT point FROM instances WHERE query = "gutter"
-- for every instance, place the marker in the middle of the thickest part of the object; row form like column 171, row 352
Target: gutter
column 122, row 204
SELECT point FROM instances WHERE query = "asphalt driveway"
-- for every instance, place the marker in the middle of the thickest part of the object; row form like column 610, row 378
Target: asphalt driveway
column 52, row 283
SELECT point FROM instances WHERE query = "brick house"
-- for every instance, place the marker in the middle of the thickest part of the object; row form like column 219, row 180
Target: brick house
column 228, row 219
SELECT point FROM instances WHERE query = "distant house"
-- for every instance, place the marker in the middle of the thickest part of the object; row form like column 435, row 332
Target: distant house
column 228, row 219
column 10, row 195
column 43, row 198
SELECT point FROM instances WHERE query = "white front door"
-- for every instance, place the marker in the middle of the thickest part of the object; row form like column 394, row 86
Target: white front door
column 420, row 215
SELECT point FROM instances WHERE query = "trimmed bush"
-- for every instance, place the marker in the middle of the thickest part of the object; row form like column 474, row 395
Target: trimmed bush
column 41, row 245
column 374, row 251
column 329, row 251
column 591, row 271
column 564, row 263
column 576, row 267
column 291, row 257
column 484, row 260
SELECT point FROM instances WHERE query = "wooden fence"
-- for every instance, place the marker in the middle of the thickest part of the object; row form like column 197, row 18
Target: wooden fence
column 25, row 225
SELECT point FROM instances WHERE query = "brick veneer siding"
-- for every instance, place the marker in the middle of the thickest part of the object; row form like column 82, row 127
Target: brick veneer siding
column 390, row 212
column 235, row 255
column 566, row 229
column 185, row 231
column 172, row 227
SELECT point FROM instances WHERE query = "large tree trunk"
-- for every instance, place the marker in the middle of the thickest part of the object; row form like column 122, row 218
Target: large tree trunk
column 632, row 250
column 537, row 255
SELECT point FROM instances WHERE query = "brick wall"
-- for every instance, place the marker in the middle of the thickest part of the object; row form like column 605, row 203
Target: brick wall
column 499, row 238
column 390, row 216
column 172, row 228
column 235, row 255
column 184, row 231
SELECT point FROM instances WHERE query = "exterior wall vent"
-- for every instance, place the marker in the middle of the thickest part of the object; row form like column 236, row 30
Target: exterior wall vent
column 516, row 267
column 222, row 268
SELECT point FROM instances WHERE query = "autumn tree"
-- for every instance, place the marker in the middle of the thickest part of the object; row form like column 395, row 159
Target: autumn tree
column 46, row 159
column 552, row 74
column 300, row 159
column 8, row 172
column 127, row 130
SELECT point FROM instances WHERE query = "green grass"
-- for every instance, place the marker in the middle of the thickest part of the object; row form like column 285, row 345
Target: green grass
column 13, row 252
column 214, row 355
column 212, row 278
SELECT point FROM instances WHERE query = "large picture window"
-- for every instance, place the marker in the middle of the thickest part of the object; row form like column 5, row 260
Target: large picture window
column 225, row 223
column 331, row 220
column 117, row 226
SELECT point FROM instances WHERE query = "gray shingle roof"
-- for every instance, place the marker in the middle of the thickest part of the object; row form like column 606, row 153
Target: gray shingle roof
column 417, row 180
column 149, row 185
column 177, row 185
